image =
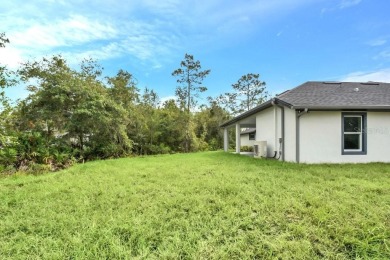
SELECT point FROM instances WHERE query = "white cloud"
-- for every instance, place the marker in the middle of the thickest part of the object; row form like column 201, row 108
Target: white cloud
column 37, row 38
column 78, row 37
column 349, row 3
column 383, row 55
column 109, row 51
column 148, row 31
column 74, row 30
column 382, row 75
column 11, row 57
column 342, row 5
column 162, row 7
column 377, row 42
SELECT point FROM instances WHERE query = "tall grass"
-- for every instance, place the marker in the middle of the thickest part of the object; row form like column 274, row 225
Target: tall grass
column 204, row 205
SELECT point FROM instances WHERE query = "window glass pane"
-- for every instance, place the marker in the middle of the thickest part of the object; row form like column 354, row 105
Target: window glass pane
column 252, row 136
column 352, row 124
column 352, row 142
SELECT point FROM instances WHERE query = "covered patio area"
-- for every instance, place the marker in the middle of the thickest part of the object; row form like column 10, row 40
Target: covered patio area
column 249, row 122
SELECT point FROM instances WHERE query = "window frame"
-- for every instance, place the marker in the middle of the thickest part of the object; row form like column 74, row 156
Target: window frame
column 363, row 134
column 254, row 136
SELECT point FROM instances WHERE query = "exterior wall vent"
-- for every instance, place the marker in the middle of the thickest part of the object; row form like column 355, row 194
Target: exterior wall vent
column 370, row 83
column 331, row 82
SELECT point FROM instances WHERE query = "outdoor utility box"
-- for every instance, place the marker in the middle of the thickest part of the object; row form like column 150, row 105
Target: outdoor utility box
column 260, row 149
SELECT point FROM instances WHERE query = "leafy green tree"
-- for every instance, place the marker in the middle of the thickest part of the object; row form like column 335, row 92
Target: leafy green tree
column 145, row 123
column 3, row 74
column 8, row 140
column 151, row 116
column 5, row 79
column 76, row 114
column 74, row 108
column 123, row 89
column 252, row 89
column 249, row 91
column 171, row 127
column 3, row 40
column 227, row 101
column 190, row 77
column 48, row 105
column 208, row 122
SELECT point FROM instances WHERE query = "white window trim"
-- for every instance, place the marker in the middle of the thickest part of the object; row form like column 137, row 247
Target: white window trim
column 356, row 133
column 362, row 134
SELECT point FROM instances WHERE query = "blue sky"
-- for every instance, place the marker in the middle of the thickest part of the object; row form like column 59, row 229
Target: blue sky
column 288, row 42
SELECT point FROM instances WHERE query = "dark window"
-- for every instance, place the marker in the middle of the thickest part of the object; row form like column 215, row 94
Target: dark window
column 252, row 136
column 352, row 142
column 354, row 134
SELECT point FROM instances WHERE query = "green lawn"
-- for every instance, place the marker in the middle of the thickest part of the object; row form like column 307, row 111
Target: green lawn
column 205, row 205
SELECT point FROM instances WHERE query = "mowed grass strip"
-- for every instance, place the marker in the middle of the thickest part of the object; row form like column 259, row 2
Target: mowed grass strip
column 210, row 205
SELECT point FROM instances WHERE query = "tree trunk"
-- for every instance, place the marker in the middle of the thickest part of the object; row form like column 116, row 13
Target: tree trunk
column 187, row 136
column 81, row 142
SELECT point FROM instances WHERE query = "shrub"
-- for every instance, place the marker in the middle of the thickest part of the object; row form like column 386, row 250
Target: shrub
column 8, row 156
column 36, row 169
column 32, row 153
column 157, row 149
column 246, row 148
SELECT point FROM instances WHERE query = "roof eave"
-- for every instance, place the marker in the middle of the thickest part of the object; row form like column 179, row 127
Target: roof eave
column 247, row 113
column 249, row 132
column 324, row 108
column 255, row 110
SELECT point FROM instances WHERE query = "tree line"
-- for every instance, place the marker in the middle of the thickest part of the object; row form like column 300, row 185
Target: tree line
column 78, row 114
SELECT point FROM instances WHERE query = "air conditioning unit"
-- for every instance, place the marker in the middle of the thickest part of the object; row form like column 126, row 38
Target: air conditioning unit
column 260, row 149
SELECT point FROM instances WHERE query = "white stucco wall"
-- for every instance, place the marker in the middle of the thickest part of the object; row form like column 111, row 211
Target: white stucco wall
column 321, row 137
column 245, row 140
column 265, row 129
column 289, row 135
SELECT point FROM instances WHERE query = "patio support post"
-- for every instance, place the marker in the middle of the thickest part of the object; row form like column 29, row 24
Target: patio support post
column 238, row 138
column 225, row 139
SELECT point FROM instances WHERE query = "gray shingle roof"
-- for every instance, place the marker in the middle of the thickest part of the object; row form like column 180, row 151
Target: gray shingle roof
column 338, row 95
column 328, row 96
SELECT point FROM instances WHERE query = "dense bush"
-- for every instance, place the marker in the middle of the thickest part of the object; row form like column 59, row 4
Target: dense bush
column 73, row 115
column 246, row 148
column 31, row 152
column 76, row 115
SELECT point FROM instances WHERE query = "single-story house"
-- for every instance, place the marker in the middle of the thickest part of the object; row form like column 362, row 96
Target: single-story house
column 322, row 122
column 248, row 137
